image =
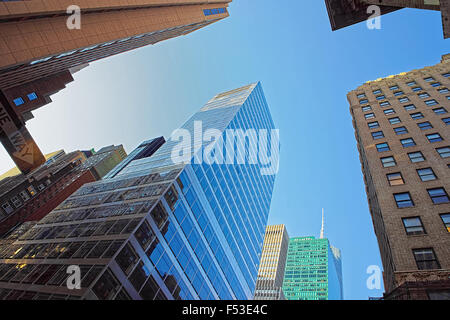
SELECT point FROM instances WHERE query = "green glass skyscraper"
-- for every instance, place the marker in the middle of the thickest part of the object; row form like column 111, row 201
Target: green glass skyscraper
column 313, row 270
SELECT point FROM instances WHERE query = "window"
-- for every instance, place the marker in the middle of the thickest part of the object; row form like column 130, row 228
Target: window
column 436, row 84
column 369, row 116
column 423, row 95
column 32, row 96
column 398, row 93
column 400, row 130
column 434, row 137
column 208, row 12
column 377, row 135
column 403, row 200
column 18, row 101
column 429, row 79
column 426, row 259
column 366, row 108
column 443, row 90
column 394, row 87
column 395, row 179
column 446, row 121
column 373, row 125
column 378, row 91
column 16, row 202
column 417, row 115
column 440, row 110
column 426, row 174
column 389, row 111
column 24, row 195
column 446, row 220
column 381, row 147
column 127, row 258
column 384, row 104
column 416, row 157
column 438, row 195
column 408, row 142
column 431, row 102
column 411, row 83
column 403, row 100
column 410, row 107
column 425, row 125
column 382, row 97
column 444, row 152
column 395, row 120
column 388, row 162
column 413, row 226
column 415, row 89
column 361, row 95
column 364, row 101
column 7, row 208
column 65, row 54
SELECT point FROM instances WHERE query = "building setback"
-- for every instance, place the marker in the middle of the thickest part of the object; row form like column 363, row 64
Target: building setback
column 159, row 229
column 30, row 197
column 313, row 270
column 344, row 13
column 39, row 53
column 273, row 262
column 401, row 127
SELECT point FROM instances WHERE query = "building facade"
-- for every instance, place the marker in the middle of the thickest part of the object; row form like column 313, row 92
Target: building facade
column 39, row 50
column 144, row 150
column 313, row 270
column 160, row 229
column 30, row 197
column 401, row 127
column 344, row 13
column 273, row 262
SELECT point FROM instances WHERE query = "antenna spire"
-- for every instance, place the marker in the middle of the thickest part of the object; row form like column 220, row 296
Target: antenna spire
column 322, row 231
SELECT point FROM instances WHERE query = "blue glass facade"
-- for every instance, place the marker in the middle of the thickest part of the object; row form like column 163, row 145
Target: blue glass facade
column 216, row 226
column 155, row 228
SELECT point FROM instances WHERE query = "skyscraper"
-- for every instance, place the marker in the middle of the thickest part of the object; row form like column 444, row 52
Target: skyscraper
column 42, row 45
column 273, row 262
column 401, row 127
column 160, row 229
column 30, row 197
column 344, row 13
column 313, row 270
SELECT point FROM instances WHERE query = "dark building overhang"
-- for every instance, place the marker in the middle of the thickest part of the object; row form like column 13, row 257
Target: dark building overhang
column 344, row 13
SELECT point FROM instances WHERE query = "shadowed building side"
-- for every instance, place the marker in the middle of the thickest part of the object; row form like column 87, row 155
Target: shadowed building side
column 39, row 53
column 344, row 13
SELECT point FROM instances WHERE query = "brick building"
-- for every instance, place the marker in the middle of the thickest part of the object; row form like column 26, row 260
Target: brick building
column 39, row 53
column 32, row 196
column 401, row 126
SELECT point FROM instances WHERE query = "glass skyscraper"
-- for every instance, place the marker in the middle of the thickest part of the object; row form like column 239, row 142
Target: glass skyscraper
column 313, row 270
column 158, row 229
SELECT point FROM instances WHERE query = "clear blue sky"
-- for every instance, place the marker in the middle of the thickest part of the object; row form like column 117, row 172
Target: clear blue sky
column 306, row 71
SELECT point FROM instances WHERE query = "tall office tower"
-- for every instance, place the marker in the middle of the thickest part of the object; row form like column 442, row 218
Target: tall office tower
column 313, row 270
column 29, row 197
column 401, row 127
column 273, row 261
column 144, row 150
column 344, row 13
column 41, row 47
column 160, row 229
